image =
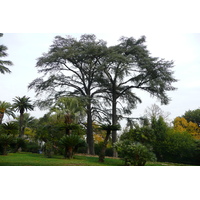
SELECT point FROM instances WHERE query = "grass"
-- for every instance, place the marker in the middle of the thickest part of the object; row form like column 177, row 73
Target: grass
column 33, row 159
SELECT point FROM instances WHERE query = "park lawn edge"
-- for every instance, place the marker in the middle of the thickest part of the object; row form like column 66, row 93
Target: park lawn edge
column 34, row 159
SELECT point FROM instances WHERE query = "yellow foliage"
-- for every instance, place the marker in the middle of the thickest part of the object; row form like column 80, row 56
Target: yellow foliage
column 98, row 138
column 182, row 125
column 29, row 132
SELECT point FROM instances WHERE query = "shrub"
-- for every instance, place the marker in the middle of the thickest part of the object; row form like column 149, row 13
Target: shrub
column 5, row 141
column 18, row 143
column 48, row 149
column 134, row 153
column 71, row 143
column 178, row 147
column 32, row 147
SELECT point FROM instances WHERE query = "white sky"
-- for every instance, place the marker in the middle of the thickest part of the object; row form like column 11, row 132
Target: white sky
column 182, row 48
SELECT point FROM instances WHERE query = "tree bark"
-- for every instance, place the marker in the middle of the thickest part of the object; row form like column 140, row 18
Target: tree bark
column 21, row 133
column 114, row 122
column 69, row 152
column 90, row 139
column 5, row 150
column 1, row 117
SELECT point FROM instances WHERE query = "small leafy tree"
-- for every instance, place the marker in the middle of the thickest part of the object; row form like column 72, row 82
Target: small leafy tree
column 10, row 128
column 134, row 153
column 70, row 110
column 5, row 141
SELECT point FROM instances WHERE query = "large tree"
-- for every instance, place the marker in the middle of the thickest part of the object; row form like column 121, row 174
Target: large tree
column 128, row 67
column 70, row 68
column 4, row 63
column 22, row 104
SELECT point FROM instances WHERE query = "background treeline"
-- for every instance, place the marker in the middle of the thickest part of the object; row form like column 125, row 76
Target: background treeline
column 149, row 138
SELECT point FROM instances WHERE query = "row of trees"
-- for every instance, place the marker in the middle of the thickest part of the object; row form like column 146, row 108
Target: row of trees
column 158, row 141
column 62, row 127
column 21, row 105
column 62, row 130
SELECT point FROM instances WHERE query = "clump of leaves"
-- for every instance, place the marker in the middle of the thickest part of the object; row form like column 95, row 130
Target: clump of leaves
column 134, row 153
column 71, row 143
column 48, row 149
column 5, row 141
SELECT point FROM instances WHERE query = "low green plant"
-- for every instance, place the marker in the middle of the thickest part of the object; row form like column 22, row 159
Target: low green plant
column 5, row 141
column 178, row 147
column 134, row 153
column 71, row 143
column 32, row 147
column 17, row 143
column 48, row 149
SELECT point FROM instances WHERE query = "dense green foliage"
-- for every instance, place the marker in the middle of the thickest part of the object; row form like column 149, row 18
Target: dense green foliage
column 5, row 141
column 193, row 116
column 134, row 153
column 71, row 143
column 178, row 147
column 167, row 144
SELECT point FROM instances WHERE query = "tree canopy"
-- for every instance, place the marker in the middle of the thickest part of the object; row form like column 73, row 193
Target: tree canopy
column 193, row 116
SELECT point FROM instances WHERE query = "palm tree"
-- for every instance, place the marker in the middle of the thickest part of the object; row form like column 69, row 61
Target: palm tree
column 4, row 69
column 22, row 104
column 71, row 109
column 5, row 108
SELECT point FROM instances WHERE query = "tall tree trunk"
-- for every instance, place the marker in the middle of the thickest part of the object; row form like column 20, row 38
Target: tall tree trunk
column 114, row 122
column 90, row 139
column 5, row 150
column 68, row 152
column 21, row 132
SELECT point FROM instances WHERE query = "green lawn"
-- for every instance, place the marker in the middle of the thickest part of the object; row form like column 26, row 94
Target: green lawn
column 32, row 159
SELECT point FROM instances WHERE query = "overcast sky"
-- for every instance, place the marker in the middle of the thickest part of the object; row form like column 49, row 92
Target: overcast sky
column 183, row 49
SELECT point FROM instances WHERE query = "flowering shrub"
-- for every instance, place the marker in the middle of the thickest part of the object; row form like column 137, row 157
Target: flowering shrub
column 134, row 153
